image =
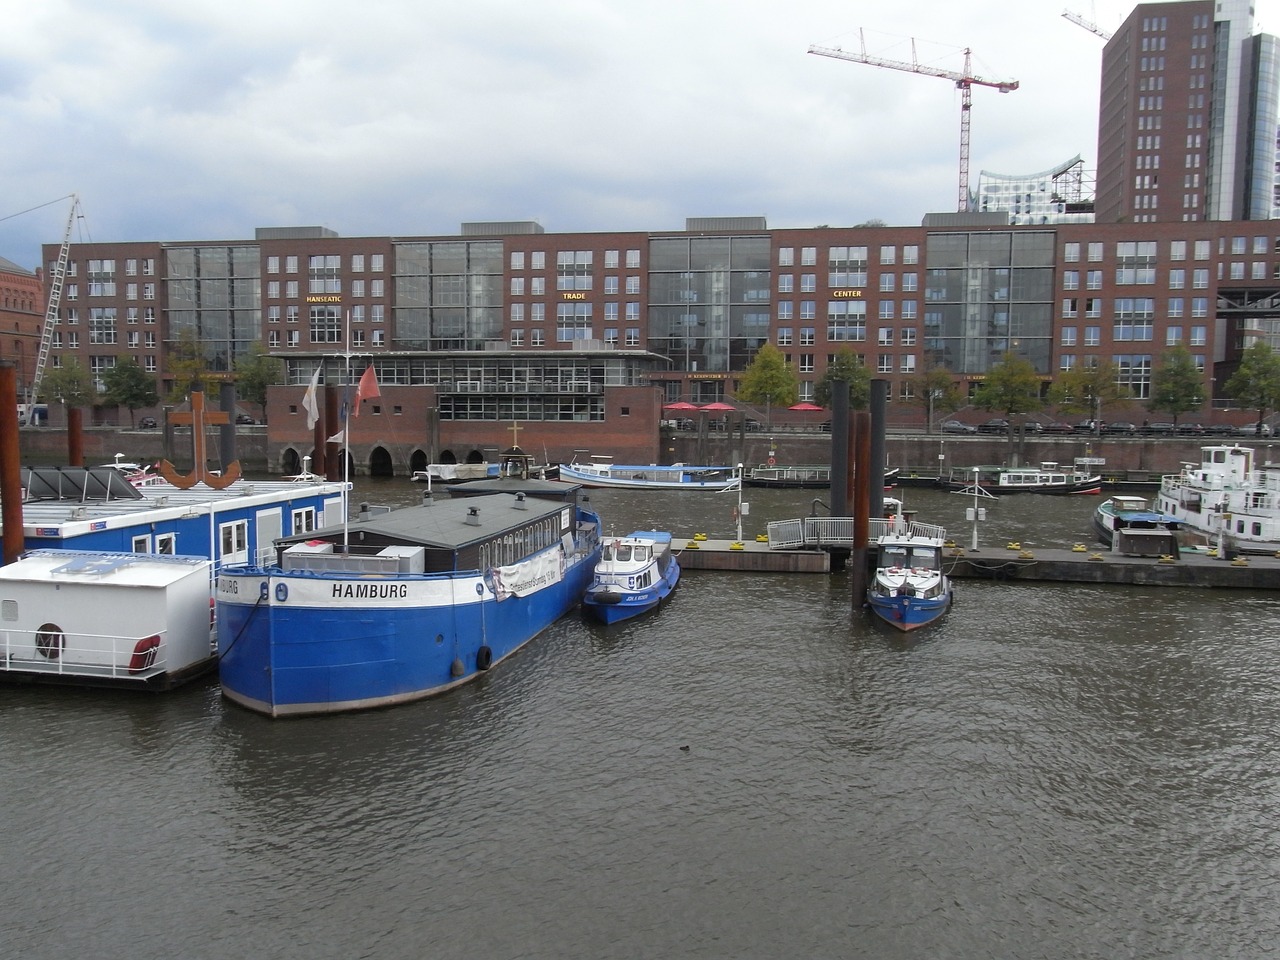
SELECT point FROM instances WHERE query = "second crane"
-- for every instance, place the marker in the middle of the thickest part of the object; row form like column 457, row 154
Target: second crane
column 964, row 82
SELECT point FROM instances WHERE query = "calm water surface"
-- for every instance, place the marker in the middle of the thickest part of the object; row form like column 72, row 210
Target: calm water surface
column 754, row 771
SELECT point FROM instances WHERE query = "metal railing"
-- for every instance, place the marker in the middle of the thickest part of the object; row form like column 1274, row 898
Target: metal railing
column 837, row 532
column 90, row 655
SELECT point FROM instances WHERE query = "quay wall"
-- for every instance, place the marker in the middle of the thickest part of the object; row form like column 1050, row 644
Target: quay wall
column 259, row 451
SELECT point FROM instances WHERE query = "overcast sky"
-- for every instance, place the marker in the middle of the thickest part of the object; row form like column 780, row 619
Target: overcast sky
column 201, row 120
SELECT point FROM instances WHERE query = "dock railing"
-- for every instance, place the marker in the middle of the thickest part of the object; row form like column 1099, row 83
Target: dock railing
column 824, row 532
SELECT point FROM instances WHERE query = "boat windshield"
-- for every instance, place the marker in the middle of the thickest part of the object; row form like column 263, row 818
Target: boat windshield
column 896, row 557
column 924, row 558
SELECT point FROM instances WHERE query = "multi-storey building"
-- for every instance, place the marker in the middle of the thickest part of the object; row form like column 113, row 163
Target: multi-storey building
column 1186, row 125
column 21, row 319
column 506, row 322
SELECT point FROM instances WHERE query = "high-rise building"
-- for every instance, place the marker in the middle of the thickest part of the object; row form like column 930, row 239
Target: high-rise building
column 1187, row 118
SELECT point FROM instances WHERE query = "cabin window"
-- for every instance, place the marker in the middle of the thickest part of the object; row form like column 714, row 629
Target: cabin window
column 304, row 520
column 8, row 610
column 167, row 543
column 141, row 544
column 234, row 540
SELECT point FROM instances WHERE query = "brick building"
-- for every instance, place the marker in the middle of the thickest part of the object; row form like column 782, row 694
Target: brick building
column 21, row 319
column 1187, row 115
column 582, row 337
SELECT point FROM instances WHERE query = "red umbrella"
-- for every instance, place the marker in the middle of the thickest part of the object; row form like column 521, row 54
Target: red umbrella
column 680, row 405
column 804, row 406
column 718, row 407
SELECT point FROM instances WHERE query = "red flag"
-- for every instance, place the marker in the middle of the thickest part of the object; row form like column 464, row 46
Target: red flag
column 367, row 389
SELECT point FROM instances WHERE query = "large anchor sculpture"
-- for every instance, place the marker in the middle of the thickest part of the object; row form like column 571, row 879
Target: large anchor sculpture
column 199, row 418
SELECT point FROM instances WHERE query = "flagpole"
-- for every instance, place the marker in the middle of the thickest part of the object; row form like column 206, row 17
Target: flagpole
column 346, row 444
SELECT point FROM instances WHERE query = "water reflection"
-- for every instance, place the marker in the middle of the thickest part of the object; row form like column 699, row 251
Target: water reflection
column 1046, row 765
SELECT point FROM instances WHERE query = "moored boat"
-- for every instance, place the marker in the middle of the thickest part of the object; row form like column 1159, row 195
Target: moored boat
column 636, row 573
column 401, row 604
column 102, row 619
column 1226, row 497
column 676, row 476
column 804, row 476
column 138, row 474
column 1048, row 477
column 1127, row 514
column 909, row 588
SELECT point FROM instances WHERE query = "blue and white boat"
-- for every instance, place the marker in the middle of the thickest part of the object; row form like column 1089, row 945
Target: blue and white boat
column 909, row 588
column 401, row 604
column 636, row 573
column 74, row 508
column 115, row 585
column 654, row 476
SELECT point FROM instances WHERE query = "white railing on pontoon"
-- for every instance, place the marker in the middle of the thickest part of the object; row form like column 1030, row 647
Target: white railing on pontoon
column 838, row 532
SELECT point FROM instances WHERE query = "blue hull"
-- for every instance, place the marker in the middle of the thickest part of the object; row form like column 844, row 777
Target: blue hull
column 632, row 603
column 909, row 613
column 293, row 653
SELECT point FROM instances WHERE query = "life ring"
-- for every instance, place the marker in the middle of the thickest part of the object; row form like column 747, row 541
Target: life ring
column 144, row 654
column 773, row 462
column 50, row 641
column 484, row 658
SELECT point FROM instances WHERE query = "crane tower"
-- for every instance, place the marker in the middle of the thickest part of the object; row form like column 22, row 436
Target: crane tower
column 964, row 82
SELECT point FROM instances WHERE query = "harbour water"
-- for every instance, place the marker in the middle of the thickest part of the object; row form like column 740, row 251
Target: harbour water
column 754, row 771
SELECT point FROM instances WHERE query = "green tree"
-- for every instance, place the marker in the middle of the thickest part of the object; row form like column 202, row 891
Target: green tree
column 69, row 384
column 1012, row 386
column 255, row 372
column 187, row 364
column 1256, row 382
column 846, row 366
column 935, row 390
column 1088, row 390
column 1177, row 387
column 128, row 385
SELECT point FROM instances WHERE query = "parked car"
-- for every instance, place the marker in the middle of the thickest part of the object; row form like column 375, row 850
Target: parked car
column 1251, row 430
column 1033, row 426
column 1089, row 426
column 1159, row 428
column 1123, row 427
column 994, row 425
column 958, row 426
column 147, row 423
column 244, row 418
column 1190, row 430
column 1057, row 426
column 1220, row 430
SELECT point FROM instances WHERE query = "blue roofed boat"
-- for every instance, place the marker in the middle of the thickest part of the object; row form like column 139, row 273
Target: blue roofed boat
column 1129, row 513
column 401, row 604
column 909, row 587
column 636, row 573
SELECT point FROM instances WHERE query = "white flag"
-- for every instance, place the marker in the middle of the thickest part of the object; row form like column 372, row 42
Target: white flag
column 339, row 437
column 309, row 400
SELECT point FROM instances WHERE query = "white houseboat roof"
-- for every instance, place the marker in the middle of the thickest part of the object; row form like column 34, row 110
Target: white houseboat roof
column 161, row 501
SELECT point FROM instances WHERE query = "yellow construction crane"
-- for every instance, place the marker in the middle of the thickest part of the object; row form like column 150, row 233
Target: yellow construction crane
column 964, row 81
